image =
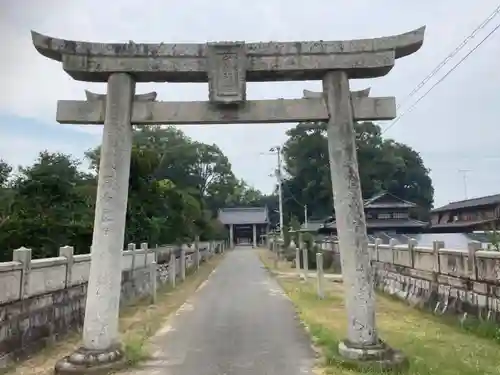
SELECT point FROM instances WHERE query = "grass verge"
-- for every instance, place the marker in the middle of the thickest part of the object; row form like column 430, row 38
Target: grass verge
column 138, row 322
column 433, row 347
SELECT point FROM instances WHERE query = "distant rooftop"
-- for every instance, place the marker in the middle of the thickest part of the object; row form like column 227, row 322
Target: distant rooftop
column 380, row 201
column 243, row 215
column 470, row 203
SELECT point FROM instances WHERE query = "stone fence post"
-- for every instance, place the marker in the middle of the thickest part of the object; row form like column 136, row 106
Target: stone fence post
column 131, row 247
column 144, row 246
column 412, row 243
column 171, row 268
column 23, row 256
column 392, row 244
column 197, row 251
column 182, row 262
column 436, row 245
column 292, row 246
column 319, row 275
column 305, row 259
column 473, row 246
column 68, row 253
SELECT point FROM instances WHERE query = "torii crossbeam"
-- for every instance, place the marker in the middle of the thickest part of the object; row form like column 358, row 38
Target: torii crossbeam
column 146, row 111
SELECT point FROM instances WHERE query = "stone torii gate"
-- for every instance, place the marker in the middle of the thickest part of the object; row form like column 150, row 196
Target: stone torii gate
column 226, row 66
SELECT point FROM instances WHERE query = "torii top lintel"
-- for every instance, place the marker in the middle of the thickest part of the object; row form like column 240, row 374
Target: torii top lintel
column 270, row 61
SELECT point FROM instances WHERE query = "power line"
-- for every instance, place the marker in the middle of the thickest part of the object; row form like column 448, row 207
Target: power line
column 451, row 55
column 412, row 107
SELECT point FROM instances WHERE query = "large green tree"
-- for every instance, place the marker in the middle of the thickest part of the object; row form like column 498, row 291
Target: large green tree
column 158, row 210
column 202, row 169
column 175, row 187
column 49, row 207
column 383, row 165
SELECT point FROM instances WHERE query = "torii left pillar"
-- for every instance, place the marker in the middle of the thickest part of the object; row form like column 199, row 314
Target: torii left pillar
column 101, row 344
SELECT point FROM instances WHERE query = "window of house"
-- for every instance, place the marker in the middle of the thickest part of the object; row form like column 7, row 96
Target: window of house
column 384, row 216
column 400, row 215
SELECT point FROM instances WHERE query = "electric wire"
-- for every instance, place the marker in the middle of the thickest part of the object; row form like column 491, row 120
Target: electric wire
column 412, row 107
column 471, row 36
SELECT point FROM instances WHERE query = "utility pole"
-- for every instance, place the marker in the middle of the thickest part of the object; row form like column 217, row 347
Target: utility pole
column 305, row 216
column 464, row 176
column 277, row 150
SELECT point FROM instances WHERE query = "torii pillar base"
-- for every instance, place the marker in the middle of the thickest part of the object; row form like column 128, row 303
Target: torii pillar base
column 379, row 357
column 91, row 362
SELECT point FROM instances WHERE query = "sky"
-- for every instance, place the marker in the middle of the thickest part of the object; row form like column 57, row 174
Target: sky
column 454, row 128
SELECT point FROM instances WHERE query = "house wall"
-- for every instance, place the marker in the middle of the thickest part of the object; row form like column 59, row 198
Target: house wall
column 466, row 214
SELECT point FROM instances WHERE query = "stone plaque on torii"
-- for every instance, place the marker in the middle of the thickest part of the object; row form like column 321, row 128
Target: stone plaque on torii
column 226, row 66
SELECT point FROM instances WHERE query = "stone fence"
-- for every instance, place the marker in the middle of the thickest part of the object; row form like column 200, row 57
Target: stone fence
column 43, row 299
column 442, row 279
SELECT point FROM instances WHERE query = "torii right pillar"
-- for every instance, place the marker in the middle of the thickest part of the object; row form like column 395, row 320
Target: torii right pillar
column 362, row 346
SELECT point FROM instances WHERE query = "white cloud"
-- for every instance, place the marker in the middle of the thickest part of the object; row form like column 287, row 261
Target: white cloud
column 458, row 118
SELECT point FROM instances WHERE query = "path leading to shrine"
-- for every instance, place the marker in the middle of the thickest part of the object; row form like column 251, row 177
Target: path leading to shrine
column 239, row 322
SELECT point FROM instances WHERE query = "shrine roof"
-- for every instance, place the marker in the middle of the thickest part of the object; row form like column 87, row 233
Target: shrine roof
column 243, row 215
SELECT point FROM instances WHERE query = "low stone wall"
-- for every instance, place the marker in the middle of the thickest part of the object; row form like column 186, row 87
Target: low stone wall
column 44, row 299
column 443, row 280
column 464, row 282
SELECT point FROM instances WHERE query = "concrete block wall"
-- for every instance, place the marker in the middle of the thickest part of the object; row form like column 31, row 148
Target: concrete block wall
column 41, row 300
column 464, row 282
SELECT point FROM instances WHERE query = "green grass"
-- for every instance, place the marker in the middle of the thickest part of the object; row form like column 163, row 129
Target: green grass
column 482, row 328
column 135, row 349
column 434, row 345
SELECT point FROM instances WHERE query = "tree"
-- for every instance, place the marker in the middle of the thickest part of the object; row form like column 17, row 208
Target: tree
column 383, row 165
column 5, row 197
column 212, row 169
column 5, row 170
column 201, row 168
column 175, row 183
column 176, row 186
column 48, row 208
column 158, row 210
column 306, row 164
